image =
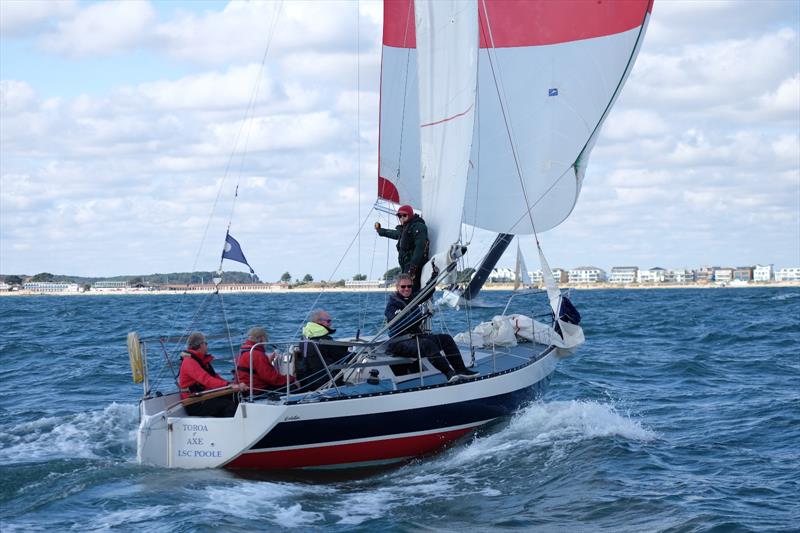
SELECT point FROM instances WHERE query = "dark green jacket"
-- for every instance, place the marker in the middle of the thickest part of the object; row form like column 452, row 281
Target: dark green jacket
column 412, row 243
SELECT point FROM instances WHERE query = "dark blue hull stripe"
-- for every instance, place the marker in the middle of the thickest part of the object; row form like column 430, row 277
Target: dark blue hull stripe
column 305, row 432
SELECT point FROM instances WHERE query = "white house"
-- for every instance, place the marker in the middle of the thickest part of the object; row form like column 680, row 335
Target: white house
column 502, row 275
column 4, row 287
column 623, row 274
column 764, row 273
column 110, row 286
column 723, row 275
column 788, row 274
column 680, row 275
column 50, row 287
column 561, row 275
column 536, row 277
column 588, row 274
column 654, row 275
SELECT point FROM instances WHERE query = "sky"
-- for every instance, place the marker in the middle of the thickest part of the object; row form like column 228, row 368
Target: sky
column 123, row 140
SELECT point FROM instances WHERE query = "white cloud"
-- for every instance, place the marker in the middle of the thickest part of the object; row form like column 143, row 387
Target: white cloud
column 785, row 100
column 18, row 17
column 102, row 29
column 288, row 27
column 16, row 97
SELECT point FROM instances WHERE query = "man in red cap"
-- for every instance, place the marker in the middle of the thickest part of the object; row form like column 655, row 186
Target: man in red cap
column 411, row 235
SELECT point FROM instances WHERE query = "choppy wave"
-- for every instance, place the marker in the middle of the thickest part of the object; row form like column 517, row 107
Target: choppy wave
column 90, row 435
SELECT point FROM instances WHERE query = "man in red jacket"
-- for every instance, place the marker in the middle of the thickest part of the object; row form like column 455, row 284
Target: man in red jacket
column 197, row 375
column 265, row 377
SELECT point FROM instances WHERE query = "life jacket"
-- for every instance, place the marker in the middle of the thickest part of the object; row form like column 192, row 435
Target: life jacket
column 198, row 387
column 245, row 350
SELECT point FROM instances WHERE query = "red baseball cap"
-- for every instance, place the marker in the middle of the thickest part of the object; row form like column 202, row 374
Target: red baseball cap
column 406, row 209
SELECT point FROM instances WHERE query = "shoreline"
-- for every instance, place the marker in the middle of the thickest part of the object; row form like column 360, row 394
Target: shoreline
column 493, row 287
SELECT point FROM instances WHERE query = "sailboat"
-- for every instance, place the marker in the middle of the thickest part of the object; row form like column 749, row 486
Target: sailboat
column 488, row 113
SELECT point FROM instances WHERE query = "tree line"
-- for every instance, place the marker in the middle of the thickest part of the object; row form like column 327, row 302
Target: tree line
column 193, row 278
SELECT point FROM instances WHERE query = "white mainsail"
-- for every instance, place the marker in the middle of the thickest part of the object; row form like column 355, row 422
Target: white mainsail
column 447, row 44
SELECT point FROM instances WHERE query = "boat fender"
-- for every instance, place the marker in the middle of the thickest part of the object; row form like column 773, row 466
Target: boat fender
column 135, row 355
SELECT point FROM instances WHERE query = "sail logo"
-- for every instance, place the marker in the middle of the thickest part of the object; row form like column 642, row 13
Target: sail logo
column 552, row 92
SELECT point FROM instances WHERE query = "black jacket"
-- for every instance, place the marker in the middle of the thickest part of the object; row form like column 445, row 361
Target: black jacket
column 412, row 243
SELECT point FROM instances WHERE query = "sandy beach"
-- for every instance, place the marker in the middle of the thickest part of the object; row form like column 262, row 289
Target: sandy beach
column 312, row 288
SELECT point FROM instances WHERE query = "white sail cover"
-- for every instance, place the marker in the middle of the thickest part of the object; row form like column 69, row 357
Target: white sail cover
column 559, row 67
column 447, row 44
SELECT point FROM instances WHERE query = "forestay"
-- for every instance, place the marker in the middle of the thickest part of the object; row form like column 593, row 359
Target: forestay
column 556, row 68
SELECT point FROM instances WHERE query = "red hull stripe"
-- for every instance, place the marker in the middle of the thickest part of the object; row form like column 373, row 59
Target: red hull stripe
column 528, row 22
column 353, row 453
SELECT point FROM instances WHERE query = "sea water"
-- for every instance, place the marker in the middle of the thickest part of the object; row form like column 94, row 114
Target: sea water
column 680, row 413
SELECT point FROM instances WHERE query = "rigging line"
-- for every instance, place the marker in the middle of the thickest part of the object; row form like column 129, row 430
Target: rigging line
column 476, row 166
column 248, row 111
column 358, row 141
column 503, row 106
column 228, row 333
column 341, row 259
column 273, row 24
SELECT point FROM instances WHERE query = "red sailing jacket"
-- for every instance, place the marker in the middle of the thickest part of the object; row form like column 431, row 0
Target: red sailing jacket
column 197, row 374
column 264, row 374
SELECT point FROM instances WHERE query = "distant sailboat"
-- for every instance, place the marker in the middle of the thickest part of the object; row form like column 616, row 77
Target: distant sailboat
column 488, row 113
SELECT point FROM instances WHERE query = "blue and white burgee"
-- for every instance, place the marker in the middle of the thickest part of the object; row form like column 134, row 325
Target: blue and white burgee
column 233, row 251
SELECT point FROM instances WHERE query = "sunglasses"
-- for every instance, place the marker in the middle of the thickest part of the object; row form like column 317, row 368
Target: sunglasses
column 402, row 215
column 405, row 286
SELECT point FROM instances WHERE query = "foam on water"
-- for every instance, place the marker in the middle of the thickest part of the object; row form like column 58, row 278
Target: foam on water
column 88, row 435
column 126, row 518
column 275, row 502
column 786, row 296
column 402, row 491
column 554, row 424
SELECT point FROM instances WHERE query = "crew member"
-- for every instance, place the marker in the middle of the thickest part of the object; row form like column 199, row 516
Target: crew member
column 318, row 335
column 265, row 376
column 197, row 375
column 405, row 336
column 413, row 246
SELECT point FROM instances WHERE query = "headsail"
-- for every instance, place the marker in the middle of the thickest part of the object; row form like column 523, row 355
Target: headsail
column 521, row 276
column 447, row 44
column 558, row 68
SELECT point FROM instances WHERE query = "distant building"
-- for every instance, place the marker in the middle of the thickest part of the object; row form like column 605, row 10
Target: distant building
column 764, row 273
column 788, row 274
column 50, row 287
column 705, row 274
column 560, row 275
column 536, row 277
column 502, row 275
column 623, row 274
column 679, row 275
column 744, row 274
column 366, row 284
column 654, row 275
column 110, row 286
column 587, row 274
column 4, row 287
column 723, row 275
